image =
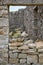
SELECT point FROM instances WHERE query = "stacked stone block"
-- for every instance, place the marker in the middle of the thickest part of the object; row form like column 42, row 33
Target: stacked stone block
column 4, row 31
column 16, row 20
column 30, row 20
column 5, row 53
column 22, row 53
column 7, row 2
column 4, row 25
column 25, row 53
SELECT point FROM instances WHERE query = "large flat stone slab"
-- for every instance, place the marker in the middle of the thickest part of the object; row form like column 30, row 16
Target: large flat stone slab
column 31, row 59
column 4, row 22
column 22, row 2
column 41, row 58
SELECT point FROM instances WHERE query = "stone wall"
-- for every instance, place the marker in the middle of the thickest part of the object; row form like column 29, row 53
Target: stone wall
column 33, row 21
column 24, row 53
column 40, row 22
column 21, row 53
column 4, row 25
column 21, row 2
column 30, row 20
column 16, row 20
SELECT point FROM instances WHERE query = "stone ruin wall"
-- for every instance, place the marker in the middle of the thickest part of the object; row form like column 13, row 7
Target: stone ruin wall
column 16, row 20
column 4, row 8
column 4, row 25
column 23, row 53
column 25, row 19
column 19, row 57
column 5, row 2
column 22, row 19
column 33, row 22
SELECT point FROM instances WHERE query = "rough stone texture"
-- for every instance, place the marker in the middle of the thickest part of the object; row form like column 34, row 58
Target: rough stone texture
column 40, row 50
column 14, row 61
column 28, row 52
column 17, row 20
column 4, row 30
column 16, row 44
column 30, row 20
column 14, row 55
column 3, row 22
column 19, row 57
column 24, row 47
column 41, row 58
column 21, row 2
column 31, row 59
column 22, row 60
column 4, row 25
column 22, row 55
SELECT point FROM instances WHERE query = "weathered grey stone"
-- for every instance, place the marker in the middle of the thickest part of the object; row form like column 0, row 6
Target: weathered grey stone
column 41, row 58
column 3, row 42
column 5, row 50
column 4, row 22
column 3, row 7
column 21, row 64
column 14, row 61
column 24, row 47
column 14, row 51
column 31, row 59
column 3, row 37
column 32, row 45
column 22, row 60
column 39, row 1
column 22, row 55
column 5, row 55
column 16, row 44
column 28, row 42
column 0, row 2
column 7, row 1
column 4, row 31
column 1, row 60
column 17, row 17
column 39, row 44
column 22, row 2
column 27, row 16
column 13, row 48
column 15, row 55
column 0, row 13
column 24, row 17
column 3, row 11
column 30, row 51
column 40, row 50
column 37, row 64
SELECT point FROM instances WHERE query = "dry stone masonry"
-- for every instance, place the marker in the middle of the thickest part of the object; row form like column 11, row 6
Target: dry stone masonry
column 25, row 53
column 16, row 20
column 29, row 19
column 4, row 29
column 22, row 52
column 20, row 2
column 4, row 25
